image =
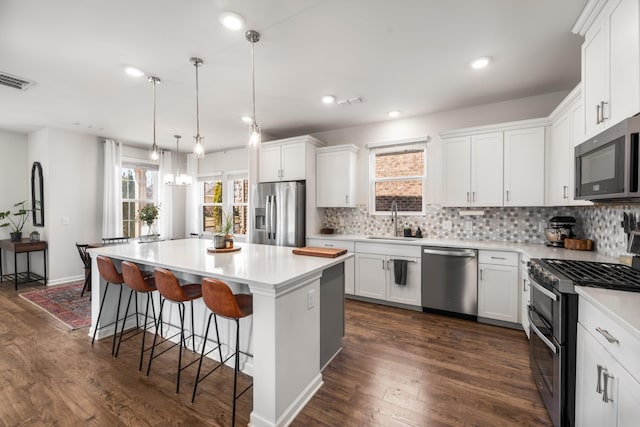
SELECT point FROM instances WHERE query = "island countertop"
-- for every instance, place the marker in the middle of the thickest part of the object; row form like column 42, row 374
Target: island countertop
column 255, row 265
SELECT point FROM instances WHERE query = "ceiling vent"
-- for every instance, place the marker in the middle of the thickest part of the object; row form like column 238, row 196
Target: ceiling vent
column 350, row 101
column 15, row 82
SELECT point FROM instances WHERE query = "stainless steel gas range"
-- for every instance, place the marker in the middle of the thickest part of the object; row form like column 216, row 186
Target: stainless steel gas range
column 553, row 315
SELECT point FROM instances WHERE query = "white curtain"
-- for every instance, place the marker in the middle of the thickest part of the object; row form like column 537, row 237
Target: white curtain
column 192, row 214
column 165, row 219
column 112, row 196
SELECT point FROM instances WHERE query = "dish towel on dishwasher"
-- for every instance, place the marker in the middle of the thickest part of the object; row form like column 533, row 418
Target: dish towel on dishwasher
column 400, row 271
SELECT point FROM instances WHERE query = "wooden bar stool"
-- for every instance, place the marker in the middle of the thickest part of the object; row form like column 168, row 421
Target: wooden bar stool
column 109, row 273
column 171, row 290
column 86, row 262
column 222, row 302
column 145, row 285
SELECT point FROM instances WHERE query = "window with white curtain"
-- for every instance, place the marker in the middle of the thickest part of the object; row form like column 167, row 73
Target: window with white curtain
column 221, row 194
column 138, row 189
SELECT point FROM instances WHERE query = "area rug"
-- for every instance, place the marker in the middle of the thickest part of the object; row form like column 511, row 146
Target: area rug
column 64, row 303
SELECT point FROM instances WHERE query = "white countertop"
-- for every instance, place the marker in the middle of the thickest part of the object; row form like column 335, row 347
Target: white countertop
column 271, row 266
column 621, row 306
column 532, row 250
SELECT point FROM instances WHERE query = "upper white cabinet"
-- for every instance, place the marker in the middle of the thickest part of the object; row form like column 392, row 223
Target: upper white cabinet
column 567, row 131
column 524, row 167
column 610, row 62
column 336, row 176
column 497, row 165
column 287, row 159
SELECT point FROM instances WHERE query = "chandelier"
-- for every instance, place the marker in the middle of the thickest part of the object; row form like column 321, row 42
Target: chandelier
column 179, row 180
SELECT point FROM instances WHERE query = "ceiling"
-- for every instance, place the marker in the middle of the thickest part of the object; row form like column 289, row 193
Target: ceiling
column 407, row 55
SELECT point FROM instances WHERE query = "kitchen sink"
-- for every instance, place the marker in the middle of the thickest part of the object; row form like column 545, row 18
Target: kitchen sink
column 408, row 239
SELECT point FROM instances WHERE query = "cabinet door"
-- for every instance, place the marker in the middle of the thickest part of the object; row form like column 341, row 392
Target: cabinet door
column 349, row 276
column 628, row 399
column 623, row 24
column 269, row 163
column 498, row 292
column 560, row 158
column 457, row 172
column 486, row 169
column 334, row 179
column 594, row 74
column 294, row 161
column 371, row 276
column 524, row 167
column 411, row 292
column 592, row 362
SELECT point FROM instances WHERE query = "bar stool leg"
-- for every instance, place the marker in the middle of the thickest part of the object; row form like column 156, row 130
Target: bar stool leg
column 181, row 309
column 144, row 330
column 235, row 372
column 206, row 334
column 126, row 313
column 155, row 338
column 104, row 297
column 115, row 327
column 193, row 334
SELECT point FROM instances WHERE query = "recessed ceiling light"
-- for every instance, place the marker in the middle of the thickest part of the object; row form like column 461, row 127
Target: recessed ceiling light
column 393, row 114
column 231, row 20
column 480, row 62
column 133, row 71
column 247, row 119
column 328, row 99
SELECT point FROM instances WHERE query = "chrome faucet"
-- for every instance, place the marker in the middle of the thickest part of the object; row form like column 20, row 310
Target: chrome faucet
column 394, row 218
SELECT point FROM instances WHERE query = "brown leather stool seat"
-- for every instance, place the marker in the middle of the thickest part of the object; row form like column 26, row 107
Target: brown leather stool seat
column 110, row 274
column 170, row 289
column 219, row 298
column 139, row 284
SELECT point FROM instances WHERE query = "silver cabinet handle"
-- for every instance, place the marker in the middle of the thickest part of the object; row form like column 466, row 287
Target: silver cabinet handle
column 605, row 389
column 481, row 275
column 473, row 196
column 468, row 199
column 383, row 265
column 602, row 117
column 598, row 114
column 346, row 199
column 564, row 192
column 507, row 195
column 598, row 385
column 328, row 245
column 607, row 335
column 498, row 257
column 388, row 265
column 524, row 285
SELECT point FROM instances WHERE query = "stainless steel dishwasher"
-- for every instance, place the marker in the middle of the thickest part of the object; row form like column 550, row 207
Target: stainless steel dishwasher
column 450, row 280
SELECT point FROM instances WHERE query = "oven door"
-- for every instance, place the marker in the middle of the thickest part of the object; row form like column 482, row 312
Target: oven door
column 545, row 358
column 548, row 305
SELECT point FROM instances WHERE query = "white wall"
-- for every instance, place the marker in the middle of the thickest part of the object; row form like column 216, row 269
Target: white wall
column 14, row 182
column 431, row 125
column 72, row 172
column 224, row 161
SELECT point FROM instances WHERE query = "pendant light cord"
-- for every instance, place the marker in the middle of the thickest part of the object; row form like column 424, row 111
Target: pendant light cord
column 197, row 64
column 253, row 78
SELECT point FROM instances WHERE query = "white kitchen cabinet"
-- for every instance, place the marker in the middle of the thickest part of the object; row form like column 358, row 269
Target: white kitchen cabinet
column 471, row 176
column 567, row 131
column 287, row 160
column 498, row 290
column 525, row 297
column 375, row 276
column 605, row 353
column 610, row 63
column 524, row 167
column 349, row 265
column 336, row 176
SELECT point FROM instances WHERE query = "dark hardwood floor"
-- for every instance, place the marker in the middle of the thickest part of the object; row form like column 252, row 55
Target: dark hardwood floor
column 397, row 368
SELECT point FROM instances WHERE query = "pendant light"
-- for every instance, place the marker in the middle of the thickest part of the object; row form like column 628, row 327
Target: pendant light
column 155, row 155
column 180, row 180
column 254, row 129
column 198, row 148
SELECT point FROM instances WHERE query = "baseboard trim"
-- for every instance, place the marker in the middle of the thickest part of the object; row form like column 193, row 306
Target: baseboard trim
column 53, row 282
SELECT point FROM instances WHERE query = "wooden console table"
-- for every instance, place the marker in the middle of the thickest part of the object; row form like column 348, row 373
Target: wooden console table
column 23, row 246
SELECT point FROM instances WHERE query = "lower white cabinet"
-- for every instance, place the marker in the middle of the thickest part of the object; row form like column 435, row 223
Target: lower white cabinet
column 349, row 265
column 607, row 394
column 498, row 290
column 375, row 273
column 525, row 297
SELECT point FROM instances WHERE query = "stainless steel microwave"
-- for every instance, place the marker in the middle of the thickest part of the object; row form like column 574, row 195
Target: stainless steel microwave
column 606, row 166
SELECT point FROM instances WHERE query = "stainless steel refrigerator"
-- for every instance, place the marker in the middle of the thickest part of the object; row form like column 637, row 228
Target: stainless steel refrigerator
column 279, row 213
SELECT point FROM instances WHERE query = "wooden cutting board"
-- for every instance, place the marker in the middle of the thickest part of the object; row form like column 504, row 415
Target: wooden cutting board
column 321, row 252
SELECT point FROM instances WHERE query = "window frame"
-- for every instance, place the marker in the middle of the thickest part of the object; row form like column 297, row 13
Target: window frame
column 137, row 164
column 226, row 177
column 399, row 149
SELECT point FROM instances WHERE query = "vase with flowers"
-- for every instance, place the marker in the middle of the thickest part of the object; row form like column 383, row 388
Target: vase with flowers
column 148, row 215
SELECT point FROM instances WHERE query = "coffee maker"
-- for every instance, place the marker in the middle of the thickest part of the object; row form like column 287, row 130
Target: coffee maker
column 560, row 227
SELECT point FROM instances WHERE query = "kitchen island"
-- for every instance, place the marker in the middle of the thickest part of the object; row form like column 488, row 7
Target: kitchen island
column 284, row 332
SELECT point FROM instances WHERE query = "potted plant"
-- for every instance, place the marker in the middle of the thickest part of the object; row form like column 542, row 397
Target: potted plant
column 227, row 229
column 21, row 215
column 148, row 215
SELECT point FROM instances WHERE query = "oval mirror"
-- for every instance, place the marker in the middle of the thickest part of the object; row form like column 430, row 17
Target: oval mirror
column 37, row 195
